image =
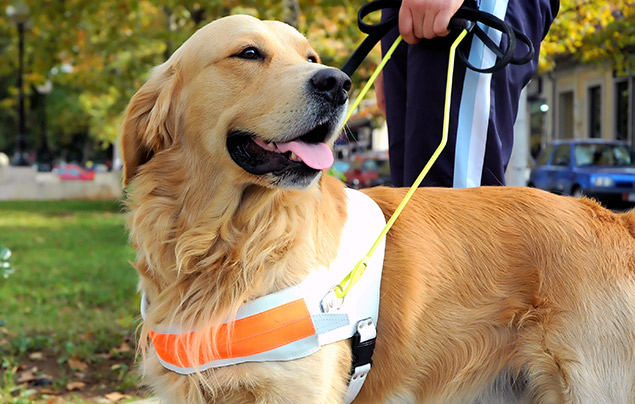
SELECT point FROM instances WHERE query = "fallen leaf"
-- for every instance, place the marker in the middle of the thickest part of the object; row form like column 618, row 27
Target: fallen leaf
column 124, row 347
column 36, row 356
column 27, row 375
column 72, row 386
column 116, row 366
column 116, row 396
column 87, row 336
column 77, row 364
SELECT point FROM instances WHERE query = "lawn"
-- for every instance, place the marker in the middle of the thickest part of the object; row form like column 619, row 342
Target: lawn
column 69, row 311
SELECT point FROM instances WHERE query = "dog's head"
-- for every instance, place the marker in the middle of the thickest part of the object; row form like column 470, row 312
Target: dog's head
column 243, row 95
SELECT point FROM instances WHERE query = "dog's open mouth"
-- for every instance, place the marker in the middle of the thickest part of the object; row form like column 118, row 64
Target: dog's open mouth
column 307, row 152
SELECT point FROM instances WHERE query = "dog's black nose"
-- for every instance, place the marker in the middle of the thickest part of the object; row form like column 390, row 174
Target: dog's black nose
column 332, row 84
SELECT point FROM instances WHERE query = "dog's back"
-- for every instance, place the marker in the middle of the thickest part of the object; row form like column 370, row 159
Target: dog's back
column 517, row 293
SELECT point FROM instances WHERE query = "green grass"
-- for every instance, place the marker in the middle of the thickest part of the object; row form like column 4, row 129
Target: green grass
column 73, row 292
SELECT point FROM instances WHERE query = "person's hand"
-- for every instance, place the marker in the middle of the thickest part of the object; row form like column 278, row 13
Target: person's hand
column 379, row 93
column 419, row 19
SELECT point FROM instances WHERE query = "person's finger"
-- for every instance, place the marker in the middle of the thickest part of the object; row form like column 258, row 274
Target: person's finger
column 427, row 30
column 441, row 22
column 406, row 25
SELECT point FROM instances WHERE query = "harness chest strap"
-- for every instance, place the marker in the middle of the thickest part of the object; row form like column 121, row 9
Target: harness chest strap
column 297, row 321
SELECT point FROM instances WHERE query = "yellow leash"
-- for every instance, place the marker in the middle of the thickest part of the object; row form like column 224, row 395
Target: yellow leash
column 372, row 79
column 345, row 285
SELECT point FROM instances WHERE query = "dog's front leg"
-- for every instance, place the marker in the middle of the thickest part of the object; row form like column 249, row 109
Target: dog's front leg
column 321, row 378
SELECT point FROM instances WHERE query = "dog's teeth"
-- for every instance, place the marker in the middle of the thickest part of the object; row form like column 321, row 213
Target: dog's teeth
column 292, row 156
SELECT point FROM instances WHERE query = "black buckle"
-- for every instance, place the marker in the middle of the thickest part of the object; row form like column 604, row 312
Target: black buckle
column 362, row 351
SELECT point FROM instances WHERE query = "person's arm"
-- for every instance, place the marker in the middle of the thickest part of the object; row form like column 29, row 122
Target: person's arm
column 419, row 19
column 380, row 97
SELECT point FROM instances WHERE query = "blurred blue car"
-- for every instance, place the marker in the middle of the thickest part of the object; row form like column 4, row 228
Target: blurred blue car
column 604, row 170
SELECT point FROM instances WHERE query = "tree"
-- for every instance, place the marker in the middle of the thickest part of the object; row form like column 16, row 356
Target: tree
column 593, row 31
column 97, row 53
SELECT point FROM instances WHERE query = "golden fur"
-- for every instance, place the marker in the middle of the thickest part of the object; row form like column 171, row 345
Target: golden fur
column 489, row 295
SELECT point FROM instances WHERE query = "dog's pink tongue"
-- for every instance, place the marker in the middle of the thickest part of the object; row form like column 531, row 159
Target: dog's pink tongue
column 315, row 155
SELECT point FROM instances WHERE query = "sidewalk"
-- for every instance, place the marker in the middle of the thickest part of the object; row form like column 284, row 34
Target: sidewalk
column 24, row 183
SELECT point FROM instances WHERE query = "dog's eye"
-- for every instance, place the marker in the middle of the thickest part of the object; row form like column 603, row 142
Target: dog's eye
column 312, row 59
column 250, row 53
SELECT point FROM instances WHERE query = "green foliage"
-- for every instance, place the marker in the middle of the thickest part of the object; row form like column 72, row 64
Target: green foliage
column 593, row 31
column 98, row 53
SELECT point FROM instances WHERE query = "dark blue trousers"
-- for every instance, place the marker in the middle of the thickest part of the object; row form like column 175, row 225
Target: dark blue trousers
column 484, row 106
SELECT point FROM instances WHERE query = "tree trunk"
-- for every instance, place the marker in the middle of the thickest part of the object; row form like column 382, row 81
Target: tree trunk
column 291, row 13
column 169, row 15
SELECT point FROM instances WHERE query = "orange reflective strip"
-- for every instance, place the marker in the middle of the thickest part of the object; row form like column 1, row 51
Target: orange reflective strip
column 251, row 335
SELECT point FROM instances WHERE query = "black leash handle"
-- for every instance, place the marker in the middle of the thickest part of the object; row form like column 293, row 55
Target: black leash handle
column 504, row 56
column 375, row 32
column 465, row 18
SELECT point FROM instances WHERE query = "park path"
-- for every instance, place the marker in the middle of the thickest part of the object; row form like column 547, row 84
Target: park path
column 24, row 183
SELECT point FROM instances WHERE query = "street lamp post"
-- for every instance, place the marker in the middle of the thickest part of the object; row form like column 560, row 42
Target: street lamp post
column 19, row 14
column 45, row 159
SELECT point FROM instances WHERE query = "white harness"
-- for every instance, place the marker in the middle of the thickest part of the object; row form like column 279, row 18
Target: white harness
column 333, row 319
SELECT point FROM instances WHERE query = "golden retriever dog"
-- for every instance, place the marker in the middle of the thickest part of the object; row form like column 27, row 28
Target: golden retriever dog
column 488, row 295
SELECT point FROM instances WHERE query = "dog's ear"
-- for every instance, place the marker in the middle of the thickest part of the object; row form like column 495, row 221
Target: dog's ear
column 149, row 124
